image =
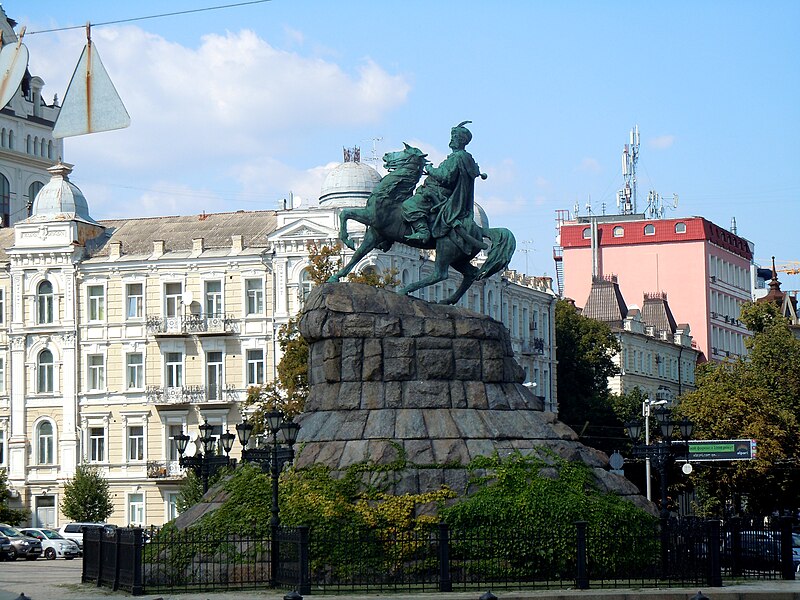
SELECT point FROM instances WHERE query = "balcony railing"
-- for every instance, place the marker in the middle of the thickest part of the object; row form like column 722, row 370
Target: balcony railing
column 533, row 346
column 191, row 394
column 164, row 469
column 192, row 324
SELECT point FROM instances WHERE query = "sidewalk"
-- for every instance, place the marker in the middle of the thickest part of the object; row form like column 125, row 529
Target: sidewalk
column 760, row 590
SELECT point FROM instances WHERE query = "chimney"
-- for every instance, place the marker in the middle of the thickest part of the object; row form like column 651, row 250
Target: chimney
column 197, row 246
column 115, row 250
column 158, row 248
column 237, row 244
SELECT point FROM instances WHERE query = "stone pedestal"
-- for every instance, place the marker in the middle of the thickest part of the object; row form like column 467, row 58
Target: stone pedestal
column 396, row 378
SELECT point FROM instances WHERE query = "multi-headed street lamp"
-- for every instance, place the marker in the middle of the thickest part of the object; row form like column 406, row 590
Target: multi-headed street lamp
column 663, row 452
column 206, row 464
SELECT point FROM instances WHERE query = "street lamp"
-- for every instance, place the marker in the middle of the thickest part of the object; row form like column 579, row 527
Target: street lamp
column 208, row 462
column 646, row 407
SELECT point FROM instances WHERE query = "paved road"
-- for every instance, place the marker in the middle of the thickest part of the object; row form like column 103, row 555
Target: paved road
column 60, row 580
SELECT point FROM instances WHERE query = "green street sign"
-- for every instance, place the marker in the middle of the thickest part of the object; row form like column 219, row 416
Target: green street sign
column 700, row 450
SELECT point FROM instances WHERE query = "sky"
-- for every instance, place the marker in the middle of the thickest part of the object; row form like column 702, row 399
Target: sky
column 239, row 107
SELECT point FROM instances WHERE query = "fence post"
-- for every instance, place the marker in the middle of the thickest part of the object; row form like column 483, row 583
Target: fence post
column 100, row 553
column 304, row 565
column 117, row 550
column 445, row 583
column 137, row 589
column 714, row 563
column 582, row 576
column 787, row 565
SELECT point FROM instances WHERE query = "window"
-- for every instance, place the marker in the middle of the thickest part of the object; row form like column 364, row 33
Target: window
column 97, row 371
column 136, row 509
column 45, row 372
column 174, row 366
column 135, row 442
column 5, row 201
column 649, row 229
column 134, row 369
column 33, row 189
column 619, row 231
column 587, row 233
column 44, row 443
column 255, row 296
column 214, row 375
column 2, row 446
column 680, row 227
column 213, row 298
column 255, row 367
column 173, row 293
column 97, row 302
column 135, row 300
column 97, row 444
column 44, row 302
column 172, row 445
column 2, row 306
column 172, row 505
column 306, row 284
column 2, row 375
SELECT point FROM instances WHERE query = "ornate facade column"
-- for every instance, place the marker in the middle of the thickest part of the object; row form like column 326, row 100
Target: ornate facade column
column 18, row 440
column 68, row 440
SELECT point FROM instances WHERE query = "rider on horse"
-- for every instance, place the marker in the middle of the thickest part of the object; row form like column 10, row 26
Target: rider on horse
column 447, row 197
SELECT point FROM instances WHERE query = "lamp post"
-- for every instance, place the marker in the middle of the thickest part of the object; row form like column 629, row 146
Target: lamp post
column 662, row 453
column 646, row 406
column 208, row 462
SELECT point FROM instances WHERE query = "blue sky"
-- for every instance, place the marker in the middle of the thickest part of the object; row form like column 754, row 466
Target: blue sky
column 234, row 108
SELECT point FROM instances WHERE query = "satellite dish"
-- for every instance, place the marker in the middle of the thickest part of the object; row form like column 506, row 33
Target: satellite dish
column 187, row 298
column 13, row 63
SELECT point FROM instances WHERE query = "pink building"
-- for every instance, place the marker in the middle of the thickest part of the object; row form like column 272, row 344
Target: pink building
column 703, row 268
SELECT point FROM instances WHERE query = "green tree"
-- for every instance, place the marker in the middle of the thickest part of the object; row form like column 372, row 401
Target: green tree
column 9, row 515
column 86, row 496
column 584, row 352
column 753, row 397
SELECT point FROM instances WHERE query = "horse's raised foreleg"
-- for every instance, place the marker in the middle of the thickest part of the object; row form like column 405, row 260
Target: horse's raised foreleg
column 347, row 214
column 370, row 243
column 440, row 273
column 469, row 274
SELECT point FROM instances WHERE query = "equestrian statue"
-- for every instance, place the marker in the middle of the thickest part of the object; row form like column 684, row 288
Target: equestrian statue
column 437, row 215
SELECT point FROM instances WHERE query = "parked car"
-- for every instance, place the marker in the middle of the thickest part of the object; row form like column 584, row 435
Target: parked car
column 6, row 549
column 24, row 546
column 54, row 545
column 74, row 531
column 796, row 551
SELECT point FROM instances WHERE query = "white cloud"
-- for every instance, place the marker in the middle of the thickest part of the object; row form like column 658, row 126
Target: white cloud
column 589, row 165
column 661, row 142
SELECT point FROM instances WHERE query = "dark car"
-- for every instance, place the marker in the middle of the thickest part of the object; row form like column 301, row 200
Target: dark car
column 796, row 551
column 24, row 547
column 6, row 549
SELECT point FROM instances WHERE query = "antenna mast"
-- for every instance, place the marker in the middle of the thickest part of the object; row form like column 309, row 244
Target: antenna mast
column 626, row 197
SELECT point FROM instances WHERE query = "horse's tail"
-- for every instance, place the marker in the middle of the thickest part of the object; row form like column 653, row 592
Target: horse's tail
column 503, row 246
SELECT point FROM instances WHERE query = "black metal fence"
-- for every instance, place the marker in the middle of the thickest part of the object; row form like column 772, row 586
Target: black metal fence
column 437, row 558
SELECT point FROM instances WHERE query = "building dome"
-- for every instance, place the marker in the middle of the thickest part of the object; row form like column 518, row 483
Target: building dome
column 480, row 216
column 60, row 197
column 349, row 184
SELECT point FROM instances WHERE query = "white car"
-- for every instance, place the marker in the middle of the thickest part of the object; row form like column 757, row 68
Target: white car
column 53, row 544
column 74, row 531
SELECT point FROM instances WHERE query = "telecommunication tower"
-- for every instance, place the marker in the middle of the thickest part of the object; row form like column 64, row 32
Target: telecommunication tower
column 626, row 197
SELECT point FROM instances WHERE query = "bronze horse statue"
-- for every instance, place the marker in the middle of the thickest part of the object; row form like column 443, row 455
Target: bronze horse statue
column 385, row 226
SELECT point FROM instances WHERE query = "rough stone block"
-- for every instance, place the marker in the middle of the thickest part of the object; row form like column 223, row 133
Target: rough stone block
column 469, row 423
column 398, row 348
column 359, row 325
column 496, row 397
column 418, row 452
column 330, row 453
column 450, row 451
column 349, row 397
column 440, row 424
column 426, row 394
column 430, row 479
column 380, row 424
column 512, row 371
column 434, row 343
column 466, row 348
column 435, row 364
column 470, row 328
column 328, row 395
column 393, row 394
column 438, row 327
column 409, row 424
column 458, row 395
column 381, row 452
column 492, row 349
column 479, row 447
column 372, row 368
column 352, row 428
column 476, row 395
column 467, row 369
column 387, row 327
column 399, row 369
column 330, row 428
column 355, row 451
column 372, row 395
column 493, row 370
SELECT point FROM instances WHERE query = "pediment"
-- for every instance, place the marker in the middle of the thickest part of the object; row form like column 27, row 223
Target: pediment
column 301, row 230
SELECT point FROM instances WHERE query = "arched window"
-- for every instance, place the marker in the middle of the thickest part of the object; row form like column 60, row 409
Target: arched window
column 5, row 201
column 306, row 284
column 44, row 302
column 45, row 446
column 404, row 277
column 36, row 146
column 490, row 302
column 28, row 144
column 680, row 227
column 587, row 233
column 3, row 138
column 619, row 231
column 45, row 372
column 11, row 138
column 33, row 189
column 649, row 229
column 50, row 149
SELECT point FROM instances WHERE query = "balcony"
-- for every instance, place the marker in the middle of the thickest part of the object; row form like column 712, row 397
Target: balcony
column 533, row 346
column 191, row 394
column 192, row 325
column 164, row 469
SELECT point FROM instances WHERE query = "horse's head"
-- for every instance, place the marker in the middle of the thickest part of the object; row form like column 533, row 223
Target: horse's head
column 409, row 156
